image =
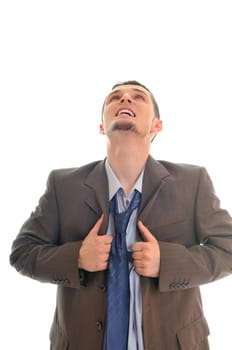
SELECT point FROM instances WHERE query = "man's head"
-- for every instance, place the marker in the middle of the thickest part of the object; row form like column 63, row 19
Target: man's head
column 130, row 106
column 134, row 82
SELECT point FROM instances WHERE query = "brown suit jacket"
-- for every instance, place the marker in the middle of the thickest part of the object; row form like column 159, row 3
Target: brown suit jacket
column 178, row 205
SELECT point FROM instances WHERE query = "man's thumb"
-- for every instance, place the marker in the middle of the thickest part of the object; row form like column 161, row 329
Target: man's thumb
column 96, row 228
column 146, row 234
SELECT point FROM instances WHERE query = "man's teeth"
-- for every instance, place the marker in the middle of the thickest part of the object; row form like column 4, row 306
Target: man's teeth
column 126, row 111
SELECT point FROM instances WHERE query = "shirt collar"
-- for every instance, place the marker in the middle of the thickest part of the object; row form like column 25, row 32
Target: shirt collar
column 114, row 183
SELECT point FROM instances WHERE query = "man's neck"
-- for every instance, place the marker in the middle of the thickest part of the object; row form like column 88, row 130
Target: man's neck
column 127, row 158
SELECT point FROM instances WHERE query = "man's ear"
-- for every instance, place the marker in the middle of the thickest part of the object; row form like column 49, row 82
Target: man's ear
column 101, row 129
column 156, row 127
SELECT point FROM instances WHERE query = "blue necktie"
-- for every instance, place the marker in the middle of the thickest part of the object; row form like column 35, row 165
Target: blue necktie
column 118, row 291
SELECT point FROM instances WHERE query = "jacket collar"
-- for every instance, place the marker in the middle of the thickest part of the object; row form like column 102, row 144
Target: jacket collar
column 155, row 177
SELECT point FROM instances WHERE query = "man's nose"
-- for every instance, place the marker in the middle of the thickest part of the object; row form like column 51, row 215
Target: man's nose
column 125, row 98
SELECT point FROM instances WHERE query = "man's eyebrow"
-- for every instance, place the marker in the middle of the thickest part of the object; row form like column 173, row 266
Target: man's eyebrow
column 138, row 90
column 114, row 92
column 133, row 89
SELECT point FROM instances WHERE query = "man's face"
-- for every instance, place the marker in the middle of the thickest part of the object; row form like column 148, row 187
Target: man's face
column 129, row 108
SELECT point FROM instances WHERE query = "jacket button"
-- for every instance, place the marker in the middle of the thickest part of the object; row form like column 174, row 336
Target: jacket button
column 99, row 325
column 102, row 288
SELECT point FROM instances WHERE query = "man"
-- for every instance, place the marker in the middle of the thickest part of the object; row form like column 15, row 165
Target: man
column 183, row 239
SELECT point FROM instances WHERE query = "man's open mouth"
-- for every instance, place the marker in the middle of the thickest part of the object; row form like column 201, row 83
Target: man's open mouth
column 125, row 111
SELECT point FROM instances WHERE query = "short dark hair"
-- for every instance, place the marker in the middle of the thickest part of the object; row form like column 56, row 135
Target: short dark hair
column 134, row 82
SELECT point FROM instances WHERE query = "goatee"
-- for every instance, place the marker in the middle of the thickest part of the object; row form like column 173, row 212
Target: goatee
column 125, row 126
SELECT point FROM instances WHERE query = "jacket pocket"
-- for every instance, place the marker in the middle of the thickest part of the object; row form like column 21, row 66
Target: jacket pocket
column 58, row 341
column 193, row 335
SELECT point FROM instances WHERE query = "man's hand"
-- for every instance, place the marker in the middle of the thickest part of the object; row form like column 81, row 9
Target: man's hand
column 146, row 255
column 95, row 249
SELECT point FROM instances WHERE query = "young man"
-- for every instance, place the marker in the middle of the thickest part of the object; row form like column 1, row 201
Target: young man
column 177, row 239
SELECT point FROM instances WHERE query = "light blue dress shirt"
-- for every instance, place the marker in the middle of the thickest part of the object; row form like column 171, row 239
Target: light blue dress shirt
column 135, row 336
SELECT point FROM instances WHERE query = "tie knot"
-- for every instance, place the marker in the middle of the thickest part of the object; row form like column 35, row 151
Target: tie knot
column 133, row 204
column 121, row 219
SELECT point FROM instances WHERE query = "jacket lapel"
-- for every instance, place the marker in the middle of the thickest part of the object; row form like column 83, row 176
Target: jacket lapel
column 155, row 178
column 97, row 195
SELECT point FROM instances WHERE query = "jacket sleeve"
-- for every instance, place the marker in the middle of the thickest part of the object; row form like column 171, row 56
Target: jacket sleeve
column 36, row 251
column 209, row 260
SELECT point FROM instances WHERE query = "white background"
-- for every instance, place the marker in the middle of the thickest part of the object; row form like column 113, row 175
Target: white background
column 58, row 61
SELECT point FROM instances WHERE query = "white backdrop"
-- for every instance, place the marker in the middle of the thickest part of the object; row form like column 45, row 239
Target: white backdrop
column 58, row 61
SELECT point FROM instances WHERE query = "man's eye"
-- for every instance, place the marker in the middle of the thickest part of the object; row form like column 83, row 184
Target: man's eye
column 138, row 97
column 114, row 97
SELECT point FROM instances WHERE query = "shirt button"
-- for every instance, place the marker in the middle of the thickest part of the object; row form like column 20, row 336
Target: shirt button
column 127, row 202
column 99, row 325
column 102, row 288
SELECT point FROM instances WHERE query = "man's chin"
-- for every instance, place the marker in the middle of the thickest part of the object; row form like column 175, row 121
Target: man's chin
column 123, row 126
